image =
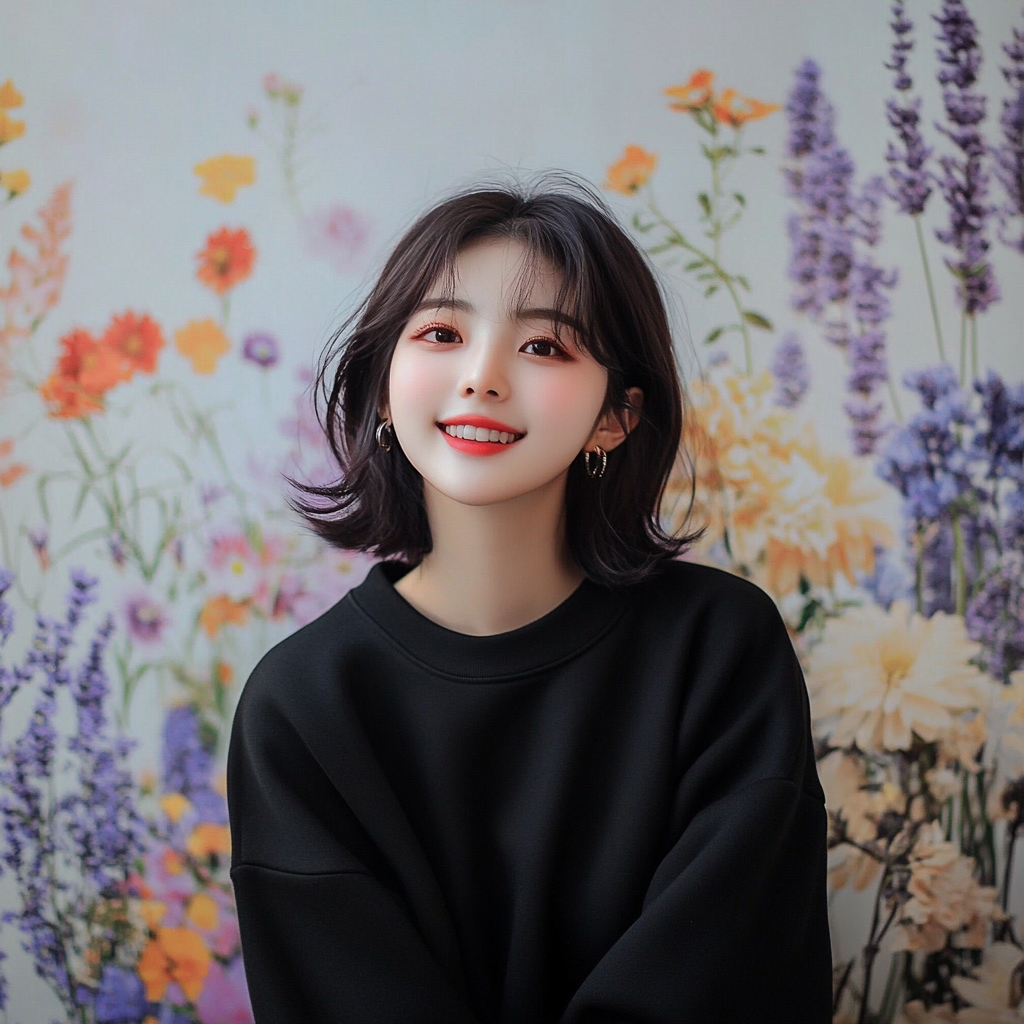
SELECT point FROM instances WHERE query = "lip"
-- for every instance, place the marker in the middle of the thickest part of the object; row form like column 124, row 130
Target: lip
column 472, row 420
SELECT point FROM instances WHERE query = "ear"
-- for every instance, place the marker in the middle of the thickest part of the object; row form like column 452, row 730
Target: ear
column 614, row 426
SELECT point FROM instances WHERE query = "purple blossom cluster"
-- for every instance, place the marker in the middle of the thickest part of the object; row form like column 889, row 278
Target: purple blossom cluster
column 908, row 161
column 790, row 370
column 67, row 852
column 962, row 461
column 1009, row 157
column 964, row 180
column 188, row 762
column 837, row 282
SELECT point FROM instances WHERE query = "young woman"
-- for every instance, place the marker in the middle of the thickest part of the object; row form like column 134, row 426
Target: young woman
column 534, row 769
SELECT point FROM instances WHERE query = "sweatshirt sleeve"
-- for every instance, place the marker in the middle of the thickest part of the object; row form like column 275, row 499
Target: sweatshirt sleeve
column 734, row 924
column 325, row 939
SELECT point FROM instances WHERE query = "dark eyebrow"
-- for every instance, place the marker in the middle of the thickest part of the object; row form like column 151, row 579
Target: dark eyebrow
column 533, row 313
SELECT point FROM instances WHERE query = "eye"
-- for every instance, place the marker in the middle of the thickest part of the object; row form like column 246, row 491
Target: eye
column 544, row 347
column 439, row 335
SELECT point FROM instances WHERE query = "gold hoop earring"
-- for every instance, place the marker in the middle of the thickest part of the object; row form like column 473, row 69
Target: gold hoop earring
column 596, row 471
column 385, row 442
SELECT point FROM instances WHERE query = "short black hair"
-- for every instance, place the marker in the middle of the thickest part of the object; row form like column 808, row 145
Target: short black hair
column 613, row 524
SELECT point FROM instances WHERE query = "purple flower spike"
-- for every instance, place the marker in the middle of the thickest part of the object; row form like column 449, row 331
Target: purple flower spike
column 790, row 370
column 964, row 181
column 995, row 617
column 908, row 171
column 1009, row 158
column 262, row 349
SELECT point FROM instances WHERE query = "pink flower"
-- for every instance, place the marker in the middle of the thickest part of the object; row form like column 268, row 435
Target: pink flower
column 225, row 998
column 337, row 234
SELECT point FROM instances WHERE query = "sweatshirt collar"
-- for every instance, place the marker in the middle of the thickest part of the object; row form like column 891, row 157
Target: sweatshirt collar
column 560, row 635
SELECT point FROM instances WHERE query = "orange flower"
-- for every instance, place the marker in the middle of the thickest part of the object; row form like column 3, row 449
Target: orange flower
column 136, row 341
column 9, row 128
column 16, row 470
column 15, row 182
column 153, row 912
column 694, row 94
column 176, row 954
column 202, row 343
column 208, row 839
column 732, row 108
column 224, row 175
column 85, row 371
column 9, row 96
column 173, row 862
column 227, row 259
column 202, row 911
column 222, row 611
column 174, row 805
column 629, row 173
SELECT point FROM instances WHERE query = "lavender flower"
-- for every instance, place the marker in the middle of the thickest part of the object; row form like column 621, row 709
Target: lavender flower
column 964, row 181
column 995, row 617
column 145, row 618
column 1009, row 158
column 1001, row 441
column 790, row 370
column 121, row 996
column 261, row 349
column 908, row 171
column 187, row 753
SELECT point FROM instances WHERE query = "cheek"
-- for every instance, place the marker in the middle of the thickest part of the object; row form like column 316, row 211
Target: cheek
column 415, row 383
column 571, row 401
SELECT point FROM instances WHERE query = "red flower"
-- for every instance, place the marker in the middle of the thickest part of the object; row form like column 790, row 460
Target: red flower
column 227, row 259
column 86, row 370
column 136, row 341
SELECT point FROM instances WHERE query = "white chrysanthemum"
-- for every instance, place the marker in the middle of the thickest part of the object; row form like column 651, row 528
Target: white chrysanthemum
column 879, row 677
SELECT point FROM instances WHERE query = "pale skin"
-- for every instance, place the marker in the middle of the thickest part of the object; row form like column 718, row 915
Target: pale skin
column 500, row 558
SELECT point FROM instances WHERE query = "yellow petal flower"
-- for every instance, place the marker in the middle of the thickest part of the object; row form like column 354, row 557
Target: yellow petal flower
column 224, row 175
column 174, row 805
column 202, row 911
column 208, row 839
column 202, row 343
column 153, row 913
column 15, row 182
column 9, row 96
column 9, row 128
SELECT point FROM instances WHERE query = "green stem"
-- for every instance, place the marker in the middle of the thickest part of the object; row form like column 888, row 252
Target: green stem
column 974, row 346
column 963, row 349
column 931, row 287
column 676, row 237
column 960, row 580
column 919, row 569
column 894, row 398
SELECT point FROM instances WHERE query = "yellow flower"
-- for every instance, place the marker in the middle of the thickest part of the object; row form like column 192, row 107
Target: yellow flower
column 174, row 805
column 208, row 839
column 224, row 175
column 15, row 182
column 153, row 912
column 631, row 171
column 9, row 96
column 878, row 677
column 9, row 128
column 202, row 342
column 763, row 484
column 202, row 911
column 946, row 901
column 994, row 994
column 221, row 611
column 176, row 954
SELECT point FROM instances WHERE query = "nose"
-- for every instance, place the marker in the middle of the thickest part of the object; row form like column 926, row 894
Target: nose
column 485, row 371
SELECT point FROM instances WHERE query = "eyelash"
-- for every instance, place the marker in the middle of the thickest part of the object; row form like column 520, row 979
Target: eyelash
column 558, row 352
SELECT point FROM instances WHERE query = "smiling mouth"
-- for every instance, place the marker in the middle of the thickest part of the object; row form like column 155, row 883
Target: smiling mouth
column 479, row 434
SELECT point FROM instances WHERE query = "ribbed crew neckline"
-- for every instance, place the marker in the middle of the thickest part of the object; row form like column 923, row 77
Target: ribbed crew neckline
column 564, row 632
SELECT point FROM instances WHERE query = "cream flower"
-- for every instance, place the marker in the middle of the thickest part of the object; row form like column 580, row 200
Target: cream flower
column 945, row 898
column 915, row 1012
column 995, row 994
column 877, row 678
column 786, row 508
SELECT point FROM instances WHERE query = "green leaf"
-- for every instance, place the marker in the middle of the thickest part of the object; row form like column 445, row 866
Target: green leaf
column 759, row 150
column 657, row 250
column 693, row 265
column 713, row 335
column 705, row 203
column 742, row 281
column 710, row 290
column 83, row 493
column 738, row 196
column 757, row 320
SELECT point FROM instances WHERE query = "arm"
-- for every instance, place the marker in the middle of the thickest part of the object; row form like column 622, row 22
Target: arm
column 734, row 924
column 326, row 938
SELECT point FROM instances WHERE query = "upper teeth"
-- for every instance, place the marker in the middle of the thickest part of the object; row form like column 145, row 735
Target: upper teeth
column 480, row 433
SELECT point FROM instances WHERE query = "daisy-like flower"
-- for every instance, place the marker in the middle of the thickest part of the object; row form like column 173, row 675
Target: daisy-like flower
column 736, row 110
column 145, row 618
column 694, row 94
column 994, row 993
column 261, row 349
column 631, row 171
column 946, row 901
column 878, row 678
column 137, row 341
column 227, row 259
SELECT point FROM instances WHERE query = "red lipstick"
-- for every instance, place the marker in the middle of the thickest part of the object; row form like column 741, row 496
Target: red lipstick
column 473, row 447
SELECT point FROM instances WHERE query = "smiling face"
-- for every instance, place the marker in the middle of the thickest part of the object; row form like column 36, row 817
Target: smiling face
column 488, row 401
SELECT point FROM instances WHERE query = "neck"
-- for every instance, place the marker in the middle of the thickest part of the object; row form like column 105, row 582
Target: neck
column 493, row 568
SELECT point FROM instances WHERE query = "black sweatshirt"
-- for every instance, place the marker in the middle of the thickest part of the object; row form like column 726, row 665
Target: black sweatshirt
column 608, row 815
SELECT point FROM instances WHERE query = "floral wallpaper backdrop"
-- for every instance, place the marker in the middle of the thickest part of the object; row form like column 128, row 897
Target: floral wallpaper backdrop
column 189, row 203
